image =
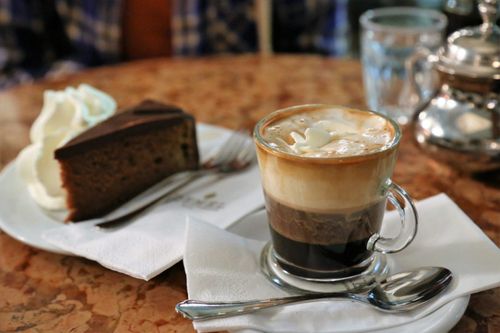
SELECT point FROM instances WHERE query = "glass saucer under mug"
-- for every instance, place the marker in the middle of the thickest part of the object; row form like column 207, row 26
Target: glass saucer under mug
column 325, row 213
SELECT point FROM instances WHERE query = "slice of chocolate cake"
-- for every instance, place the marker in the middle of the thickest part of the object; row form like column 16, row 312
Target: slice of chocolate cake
column 112, row 162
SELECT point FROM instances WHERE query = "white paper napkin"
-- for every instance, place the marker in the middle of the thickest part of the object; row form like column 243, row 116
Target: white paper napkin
column 221, row 266
column 154, row 241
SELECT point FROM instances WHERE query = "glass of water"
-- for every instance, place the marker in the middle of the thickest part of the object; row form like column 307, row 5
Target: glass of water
column 391, row 36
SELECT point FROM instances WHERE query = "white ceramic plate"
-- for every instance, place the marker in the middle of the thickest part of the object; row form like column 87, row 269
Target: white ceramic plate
column 254, row 226
column 24, row 220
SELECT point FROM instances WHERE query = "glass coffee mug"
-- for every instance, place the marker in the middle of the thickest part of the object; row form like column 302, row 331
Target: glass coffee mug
column 325, row 172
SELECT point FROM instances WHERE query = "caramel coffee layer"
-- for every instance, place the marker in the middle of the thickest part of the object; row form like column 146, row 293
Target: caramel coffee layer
column 322, row 186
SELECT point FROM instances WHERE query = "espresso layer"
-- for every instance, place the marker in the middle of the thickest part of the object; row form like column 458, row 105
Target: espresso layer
column 300, row 257
column 334, row 228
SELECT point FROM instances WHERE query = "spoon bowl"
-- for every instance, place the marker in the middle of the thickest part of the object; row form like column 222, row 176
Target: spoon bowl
column 399, row 292
column 407, row 290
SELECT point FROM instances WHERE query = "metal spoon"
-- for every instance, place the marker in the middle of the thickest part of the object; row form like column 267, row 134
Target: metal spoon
column 399, row 292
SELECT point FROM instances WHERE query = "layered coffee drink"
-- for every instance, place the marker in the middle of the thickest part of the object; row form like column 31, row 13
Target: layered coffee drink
column 325, row 173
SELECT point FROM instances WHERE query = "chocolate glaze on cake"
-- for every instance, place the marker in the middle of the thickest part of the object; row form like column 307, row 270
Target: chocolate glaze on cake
column 114, row 161
column 143, row 117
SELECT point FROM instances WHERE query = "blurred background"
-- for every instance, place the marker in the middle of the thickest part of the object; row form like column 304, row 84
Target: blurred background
column 50, row 38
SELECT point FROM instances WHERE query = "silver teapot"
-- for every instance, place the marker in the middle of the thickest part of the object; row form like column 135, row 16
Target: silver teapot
column 461, row 123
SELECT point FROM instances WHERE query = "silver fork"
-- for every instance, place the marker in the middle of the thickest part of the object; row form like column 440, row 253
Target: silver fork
column 235, row 154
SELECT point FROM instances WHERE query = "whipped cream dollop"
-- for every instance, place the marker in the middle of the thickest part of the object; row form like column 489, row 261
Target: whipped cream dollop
column 64, row 115
column 330, row 132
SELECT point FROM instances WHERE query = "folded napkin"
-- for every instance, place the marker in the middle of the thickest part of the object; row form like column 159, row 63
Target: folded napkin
column 154, row 241
column 222, row 266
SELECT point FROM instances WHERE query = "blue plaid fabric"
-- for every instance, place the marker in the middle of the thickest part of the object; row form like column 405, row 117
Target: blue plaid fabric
column 38, row 36
column 206, row 27
column 229, row 26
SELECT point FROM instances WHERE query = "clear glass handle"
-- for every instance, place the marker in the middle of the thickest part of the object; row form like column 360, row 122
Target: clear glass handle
column 408, row 215
column 412, row 95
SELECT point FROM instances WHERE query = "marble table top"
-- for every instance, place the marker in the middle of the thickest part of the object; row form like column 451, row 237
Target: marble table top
column 46, row 292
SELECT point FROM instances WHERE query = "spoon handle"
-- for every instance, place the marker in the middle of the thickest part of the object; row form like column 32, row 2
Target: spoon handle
column 198, row 310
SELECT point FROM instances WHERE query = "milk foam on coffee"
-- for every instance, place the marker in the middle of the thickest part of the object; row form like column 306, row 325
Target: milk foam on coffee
column 330, row 132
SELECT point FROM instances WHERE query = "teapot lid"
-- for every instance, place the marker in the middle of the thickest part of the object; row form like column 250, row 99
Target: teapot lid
column 474, row 52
